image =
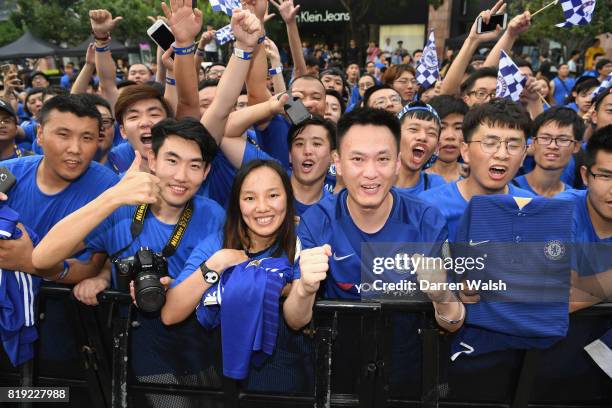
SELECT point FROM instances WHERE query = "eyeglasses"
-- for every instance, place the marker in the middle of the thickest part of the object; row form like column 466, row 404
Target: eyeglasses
column 406, row 81
column 491, row 145
column 559, row 141
column 481, row 94
column 7, row 121
column 382, row 101
column 603, row 177
column 107, row 123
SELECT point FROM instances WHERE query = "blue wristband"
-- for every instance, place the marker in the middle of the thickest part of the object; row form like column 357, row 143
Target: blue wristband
column 170, row 81
column 103, row 49
column 242, row 54
column 185, row 50
column 275, row 71
column 261, row 39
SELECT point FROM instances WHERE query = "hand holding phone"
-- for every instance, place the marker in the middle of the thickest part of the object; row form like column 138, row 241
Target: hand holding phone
column 161, row 34
column 296, row 111
column 494, row 21
column 7, row 180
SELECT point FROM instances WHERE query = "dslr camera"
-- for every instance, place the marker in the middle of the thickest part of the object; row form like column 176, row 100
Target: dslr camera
column 144, row 268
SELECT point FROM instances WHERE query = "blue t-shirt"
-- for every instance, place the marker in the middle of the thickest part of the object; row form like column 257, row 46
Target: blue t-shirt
column 120, row 158
column 273, row 139
column 521, row 182
column 114, row 234
column 563, row 89
column 41, row 211
column 29, row 129
column 329, row 222
column 426, row 181
column 452, row 205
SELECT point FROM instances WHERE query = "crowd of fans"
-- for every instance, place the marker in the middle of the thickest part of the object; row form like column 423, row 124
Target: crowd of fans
column 249, row 205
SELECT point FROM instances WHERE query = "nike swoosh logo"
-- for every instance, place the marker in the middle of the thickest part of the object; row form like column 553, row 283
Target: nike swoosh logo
column 472, row 243
column 340, row 258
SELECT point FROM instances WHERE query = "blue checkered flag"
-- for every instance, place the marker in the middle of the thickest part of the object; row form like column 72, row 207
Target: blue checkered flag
column 225, row 35
column 577, row 12
column 510, row 80
column 606, row 83
column 225, row 6
column 427, row 68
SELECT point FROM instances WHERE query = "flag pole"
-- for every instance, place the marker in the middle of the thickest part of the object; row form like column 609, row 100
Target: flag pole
column 552, row 3
column 543, row 100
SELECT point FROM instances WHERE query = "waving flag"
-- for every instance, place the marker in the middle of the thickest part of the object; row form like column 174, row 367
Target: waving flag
column 577, row 12
column 427, row 68
column 225, row 35
column 606, row 83
column 510, row 80
column 225, row 6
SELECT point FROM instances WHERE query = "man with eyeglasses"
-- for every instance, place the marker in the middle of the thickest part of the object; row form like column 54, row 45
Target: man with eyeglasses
column 8, row 133
column 558, row 132
column 495, row 136
column 215, row 71
column 383, row 97
column 479, row 87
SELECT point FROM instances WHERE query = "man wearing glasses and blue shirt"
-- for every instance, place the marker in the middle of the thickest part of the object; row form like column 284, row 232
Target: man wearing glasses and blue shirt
column 558, row 132
column 495, row 145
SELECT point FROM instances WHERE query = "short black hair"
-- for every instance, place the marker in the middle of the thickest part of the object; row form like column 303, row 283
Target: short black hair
column 446, row 105
column 585, row 84
column 333, row 72
column 600, row 140
column 56, row 90
column 307, row 77
column 368, row 116
column 314, row 120
column 470, row 81
column 339, row 97
column 498, row 112
column 520, row 62
column 186, row 128
column 420, row 110
column 96, row 100
column 562, row 116
column 74, row 104
column 417, row 50
column 207, row 83
column 368, row 93
column 601, row 63
column 311, row 61
column 33, row 91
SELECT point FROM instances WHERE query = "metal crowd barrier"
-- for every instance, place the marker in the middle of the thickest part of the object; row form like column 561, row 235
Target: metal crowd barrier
column 108, row 385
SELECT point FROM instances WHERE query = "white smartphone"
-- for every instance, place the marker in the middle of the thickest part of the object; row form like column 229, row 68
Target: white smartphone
column 161, row 34
column 494, row 21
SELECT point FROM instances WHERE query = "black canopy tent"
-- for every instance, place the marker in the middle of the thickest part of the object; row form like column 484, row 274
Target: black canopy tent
column 80, row 50
column 28, row 46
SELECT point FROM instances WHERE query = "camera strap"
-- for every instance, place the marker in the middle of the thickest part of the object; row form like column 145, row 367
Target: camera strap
column 175, row 239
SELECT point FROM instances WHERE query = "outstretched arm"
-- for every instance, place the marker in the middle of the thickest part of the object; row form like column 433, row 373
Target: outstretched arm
column 82, row 80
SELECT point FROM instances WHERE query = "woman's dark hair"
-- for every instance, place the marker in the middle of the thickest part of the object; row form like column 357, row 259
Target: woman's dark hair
column 236, row 231
column 188, row 129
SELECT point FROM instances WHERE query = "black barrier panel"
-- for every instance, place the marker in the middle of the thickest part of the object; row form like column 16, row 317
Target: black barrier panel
column 355, row 354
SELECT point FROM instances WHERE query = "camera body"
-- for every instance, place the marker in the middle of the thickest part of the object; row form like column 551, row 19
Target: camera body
column 145, row 268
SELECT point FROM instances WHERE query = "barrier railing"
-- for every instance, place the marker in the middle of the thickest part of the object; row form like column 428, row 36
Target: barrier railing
column 107, row 365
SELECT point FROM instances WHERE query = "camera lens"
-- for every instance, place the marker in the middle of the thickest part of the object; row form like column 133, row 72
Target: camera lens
column 150, row 293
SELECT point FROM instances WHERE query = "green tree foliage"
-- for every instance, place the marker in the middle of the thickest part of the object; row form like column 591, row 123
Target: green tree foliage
column 8, row 32
column 543, row 25
column 68, row 20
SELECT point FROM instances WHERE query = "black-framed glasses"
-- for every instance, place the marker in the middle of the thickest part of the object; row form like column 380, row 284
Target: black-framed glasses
column 481, row 94
column 381, row 102
column 559, row 141
column 604, row 177
column 491, row 144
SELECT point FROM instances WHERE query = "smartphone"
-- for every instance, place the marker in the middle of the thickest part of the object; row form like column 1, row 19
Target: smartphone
column 494, row 21
column 161, row 34
column 295, row 109
column 7, row 180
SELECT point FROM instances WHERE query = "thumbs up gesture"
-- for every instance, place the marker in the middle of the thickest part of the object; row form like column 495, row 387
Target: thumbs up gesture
column 137, row 187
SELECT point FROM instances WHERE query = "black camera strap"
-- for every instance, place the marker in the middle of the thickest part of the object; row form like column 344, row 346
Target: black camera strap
column 175, row 239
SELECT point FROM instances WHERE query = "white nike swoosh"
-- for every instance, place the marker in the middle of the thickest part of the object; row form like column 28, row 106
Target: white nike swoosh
column 472, row 243
column 340, row 258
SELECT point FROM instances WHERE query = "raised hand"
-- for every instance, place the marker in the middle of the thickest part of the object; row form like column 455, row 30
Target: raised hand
column 168, row 61
column 136, row 187
column 90, row 55
column 184, row 21
column 286, row 9
column 272, row 52
column 257, row 7
column 247, row 29
column 277, row 103
column 498, row 8
column 426, row 270
column 314, row 264
column 519, row 24
column 207, row 37
column 102, row 22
